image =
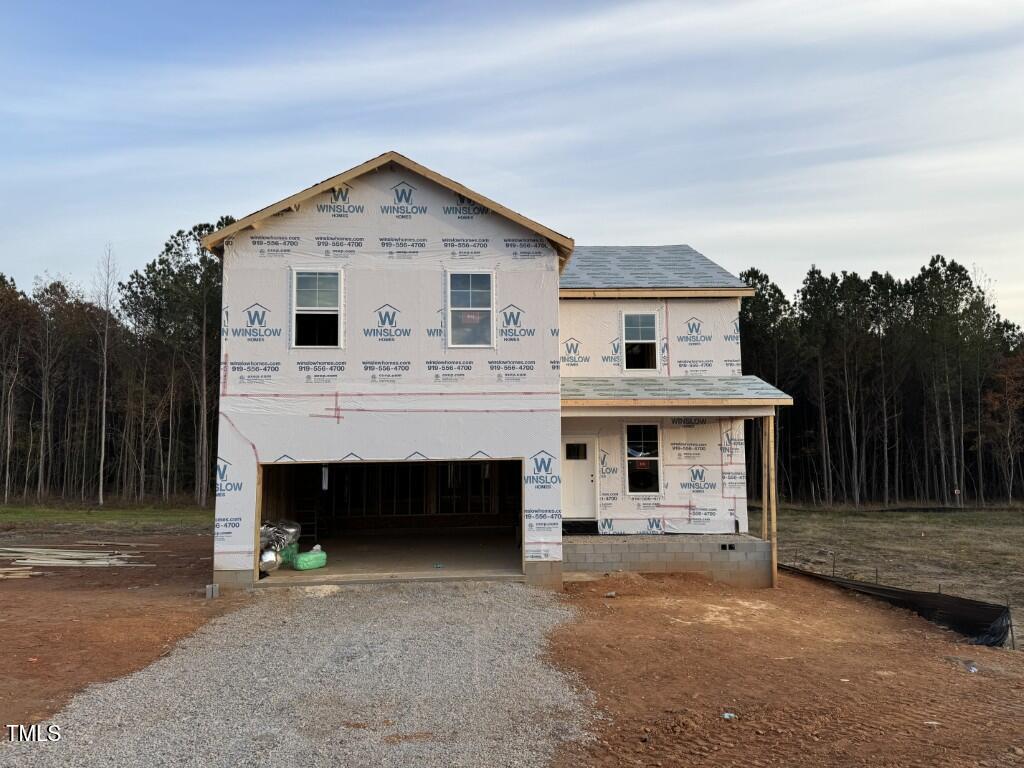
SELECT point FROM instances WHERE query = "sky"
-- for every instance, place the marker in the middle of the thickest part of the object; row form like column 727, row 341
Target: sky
column 858, row 135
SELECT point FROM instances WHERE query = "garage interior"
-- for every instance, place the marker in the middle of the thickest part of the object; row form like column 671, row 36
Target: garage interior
column 400, row 520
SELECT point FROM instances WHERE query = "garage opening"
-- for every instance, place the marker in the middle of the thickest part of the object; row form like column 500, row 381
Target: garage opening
column 413, row 519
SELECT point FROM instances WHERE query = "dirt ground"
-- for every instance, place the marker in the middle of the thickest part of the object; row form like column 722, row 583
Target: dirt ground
column 78, row 626
column 972, row 553
column 814, row 677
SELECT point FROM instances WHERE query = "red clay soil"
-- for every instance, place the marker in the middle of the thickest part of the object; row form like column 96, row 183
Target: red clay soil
column 78, row 626
column 814, row 677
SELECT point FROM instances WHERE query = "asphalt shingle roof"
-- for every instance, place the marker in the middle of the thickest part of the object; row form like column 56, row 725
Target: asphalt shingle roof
column 669, row 388
column 644, row 266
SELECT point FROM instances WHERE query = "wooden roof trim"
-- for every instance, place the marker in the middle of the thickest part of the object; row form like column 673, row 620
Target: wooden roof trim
column 214, row 242
column 654, row 293
column 705, row 402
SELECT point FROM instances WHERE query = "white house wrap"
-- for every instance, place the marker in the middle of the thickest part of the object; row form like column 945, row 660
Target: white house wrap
column 389, row 314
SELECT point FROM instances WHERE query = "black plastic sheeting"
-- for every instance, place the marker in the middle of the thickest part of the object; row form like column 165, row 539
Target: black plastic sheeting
column 982, row 623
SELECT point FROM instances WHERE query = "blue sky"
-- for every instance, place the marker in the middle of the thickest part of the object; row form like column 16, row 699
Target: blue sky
column 768, row 133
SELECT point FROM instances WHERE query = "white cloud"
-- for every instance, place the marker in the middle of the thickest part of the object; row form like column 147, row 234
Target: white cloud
column 412, row 63
column 771, row 132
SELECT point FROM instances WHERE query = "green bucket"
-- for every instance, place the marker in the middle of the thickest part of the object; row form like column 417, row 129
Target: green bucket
column 307, row 561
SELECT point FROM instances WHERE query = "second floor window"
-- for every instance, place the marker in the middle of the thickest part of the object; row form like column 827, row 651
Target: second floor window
column 470, row 309
column 640, row 341
column 317, row 309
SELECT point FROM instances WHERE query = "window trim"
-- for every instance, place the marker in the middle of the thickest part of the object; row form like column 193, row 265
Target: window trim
column 295, row 270
column 448, row 274
column 655, row 342
column 626, row 457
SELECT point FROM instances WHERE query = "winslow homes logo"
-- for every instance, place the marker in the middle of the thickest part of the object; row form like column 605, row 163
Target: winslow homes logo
column 573, row 352
column 437, row 332
column 464, row 208
column 512, row 327
column 616, row 354
column 695, row 334
column 225, row 484
column 340, row 206
column 698, row 481
column 541, row 473
column 654, row 525
column 404, row 207
column 734, row 337
column 732, row 442
column 257, row 327
column 387, row 328
column 607, row 470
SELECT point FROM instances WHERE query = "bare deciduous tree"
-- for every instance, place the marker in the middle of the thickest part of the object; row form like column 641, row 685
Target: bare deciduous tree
column 105, row 283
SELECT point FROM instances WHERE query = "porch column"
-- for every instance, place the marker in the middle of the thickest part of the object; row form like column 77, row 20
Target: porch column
column 769, row 492
column 764, row 477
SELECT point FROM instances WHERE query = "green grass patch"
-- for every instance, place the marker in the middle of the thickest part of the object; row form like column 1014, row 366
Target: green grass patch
column 980, row 517
column 114, row 517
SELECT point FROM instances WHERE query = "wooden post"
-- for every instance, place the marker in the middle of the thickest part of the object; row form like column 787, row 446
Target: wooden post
column 764, row 478
column 522, row 515
column 772, row 498
column 258, row 512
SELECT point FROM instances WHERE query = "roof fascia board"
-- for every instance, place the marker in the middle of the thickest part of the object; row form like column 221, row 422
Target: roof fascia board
column 214, row 242
column 654, row 293
column 564, row 245
column 632, row 413
column 712, row 402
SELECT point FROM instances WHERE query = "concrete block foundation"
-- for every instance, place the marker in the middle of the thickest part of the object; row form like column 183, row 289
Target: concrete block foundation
column 543, row 574
column 735, row 559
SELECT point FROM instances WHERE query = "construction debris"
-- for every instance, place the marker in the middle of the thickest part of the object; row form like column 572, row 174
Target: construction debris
column 279, row 545
column 18, row 572
column 70, row 558
column 118, row 543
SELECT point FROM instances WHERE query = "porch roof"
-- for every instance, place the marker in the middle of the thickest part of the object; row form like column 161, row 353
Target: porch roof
column 670, row 391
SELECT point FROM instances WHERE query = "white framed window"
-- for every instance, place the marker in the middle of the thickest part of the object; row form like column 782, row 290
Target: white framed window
column 643, row 459
column 316, row 308
column 640, row 341
column 470, row 309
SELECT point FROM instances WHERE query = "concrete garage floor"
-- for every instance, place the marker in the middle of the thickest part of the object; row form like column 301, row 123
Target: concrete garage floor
column 362, row 558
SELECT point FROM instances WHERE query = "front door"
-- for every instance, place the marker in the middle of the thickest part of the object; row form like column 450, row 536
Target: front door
column 579, row 478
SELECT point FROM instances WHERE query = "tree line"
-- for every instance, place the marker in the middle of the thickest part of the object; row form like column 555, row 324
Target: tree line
column 905, row 390
column 110, row 392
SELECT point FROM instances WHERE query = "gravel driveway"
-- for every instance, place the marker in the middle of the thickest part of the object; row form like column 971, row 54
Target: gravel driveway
column 430, row 674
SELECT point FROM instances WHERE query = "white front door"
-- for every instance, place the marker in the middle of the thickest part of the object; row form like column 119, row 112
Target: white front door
column 579, row 478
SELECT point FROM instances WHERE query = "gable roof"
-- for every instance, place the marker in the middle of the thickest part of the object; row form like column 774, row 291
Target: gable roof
column 646, row 270
column 214, row 242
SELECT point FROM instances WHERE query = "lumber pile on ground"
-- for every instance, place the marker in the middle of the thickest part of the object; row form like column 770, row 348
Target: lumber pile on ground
column 18, row 572
column 25, row 559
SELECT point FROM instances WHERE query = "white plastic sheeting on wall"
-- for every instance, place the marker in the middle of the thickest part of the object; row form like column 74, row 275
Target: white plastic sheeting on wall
column 394, row 389
column 695, row 336
column 702, row 475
